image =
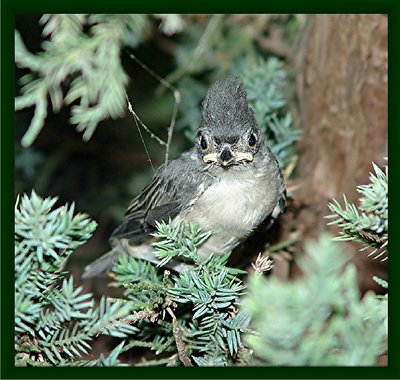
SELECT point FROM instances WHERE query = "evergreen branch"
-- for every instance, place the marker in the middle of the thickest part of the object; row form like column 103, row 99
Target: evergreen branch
column 106, row 319
column 158, row 345
column 83, row 53
column 178, row 241
column 104, row 361
column 337, row 328
column 55, row 321
column 381, row 282
column 210, row 290
column 367, row 223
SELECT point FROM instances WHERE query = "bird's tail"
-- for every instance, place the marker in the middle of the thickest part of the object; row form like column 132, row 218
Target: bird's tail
column 102, row 265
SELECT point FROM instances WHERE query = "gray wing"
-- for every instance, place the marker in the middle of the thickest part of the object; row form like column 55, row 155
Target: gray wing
column 280, row 205
column 173, row 188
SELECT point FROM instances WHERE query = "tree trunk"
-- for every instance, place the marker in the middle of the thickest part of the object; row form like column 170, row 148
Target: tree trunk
column 342, row 90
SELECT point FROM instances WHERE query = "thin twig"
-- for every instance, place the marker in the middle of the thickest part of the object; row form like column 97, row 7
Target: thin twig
column 202, row 46
column 177, row 99
column 136, row 119
column 179, row 340
column 153, row 74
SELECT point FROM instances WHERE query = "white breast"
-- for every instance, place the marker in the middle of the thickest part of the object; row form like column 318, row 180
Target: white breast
column 232, row 208
column 227, row 202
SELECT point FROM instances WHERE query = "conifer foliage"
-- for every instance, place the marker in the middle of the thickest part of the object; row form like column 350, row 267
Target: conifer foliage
column 319, row 320
column 193, row 316
column 55, row 321
column 367, row 223
column 82, row 54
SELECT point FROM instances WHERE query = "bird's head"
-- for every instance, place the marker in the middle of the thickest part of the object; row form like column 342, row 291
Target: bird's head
column 228, row 134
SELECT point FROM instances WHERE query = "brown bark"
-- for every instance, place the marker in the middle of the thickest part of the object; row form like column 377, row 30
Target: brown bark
column 341, row 62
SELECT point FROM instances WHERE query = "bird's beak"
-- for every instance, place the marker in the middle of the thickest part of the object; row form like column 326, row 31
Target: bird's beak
column 211, row 157
column 226, row 157
column 242, row 156
column 221, row 159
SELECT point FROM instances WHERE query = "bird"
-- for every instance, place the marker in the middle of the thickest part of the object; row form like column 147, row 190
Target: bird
column 229, row 182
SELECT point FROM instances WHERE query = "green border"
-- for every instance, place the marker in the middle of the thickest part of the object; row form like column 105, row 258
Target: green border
column 393, row 135
column 8, row 10
column 7, row 187
column 221, row 6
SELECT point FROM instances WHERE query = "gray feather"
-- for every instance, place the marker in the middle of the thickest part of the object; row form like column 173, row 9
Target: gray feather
column 225, row 107
column 229, row 201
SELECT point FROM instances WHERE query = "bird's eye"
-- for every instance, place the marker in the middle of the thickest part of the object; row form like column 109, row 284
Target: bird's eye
column 203, row 143
column 252, row 140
